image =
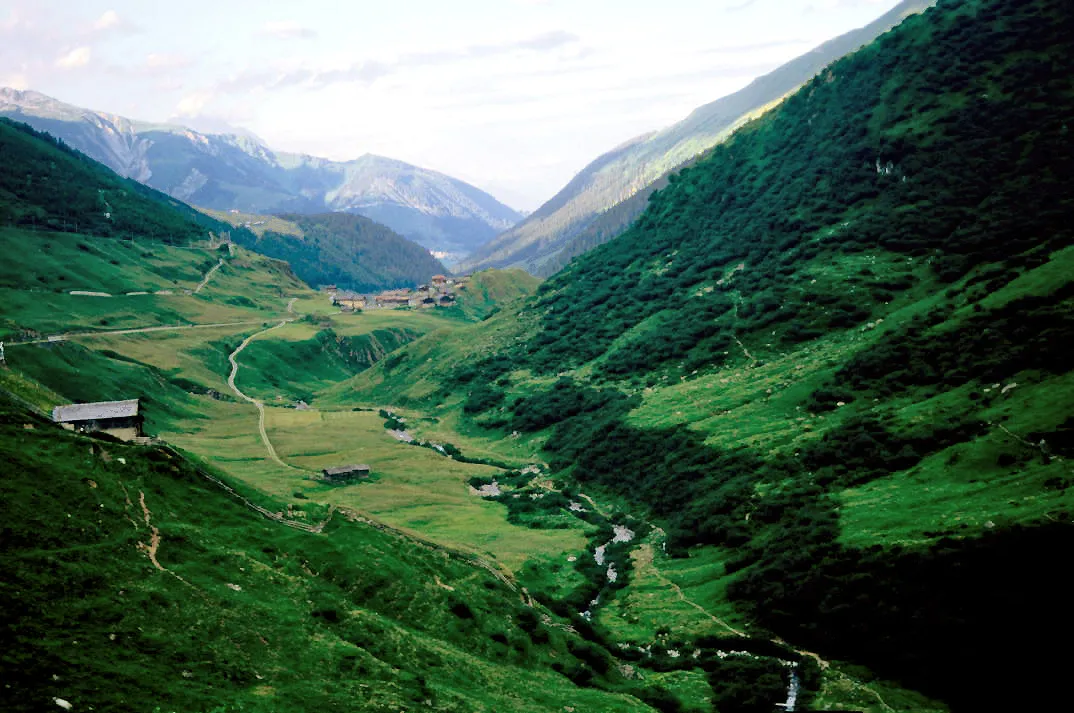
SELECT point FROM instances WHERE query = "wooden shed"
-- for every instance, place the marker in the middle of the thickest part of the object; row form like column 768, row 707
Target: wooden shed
column 121, row 419
column 346, row 473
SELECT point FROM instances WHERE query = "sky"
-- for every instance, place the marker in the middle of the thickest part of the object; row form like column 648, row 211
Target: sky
column 513, row 96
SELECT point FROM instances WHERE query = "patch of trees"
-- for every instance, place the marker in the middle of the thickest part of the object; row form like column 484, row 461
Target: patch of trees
column 46, row 185
column 564, row 401
column 1031, row 332
column 350, row 251
column 864, row 448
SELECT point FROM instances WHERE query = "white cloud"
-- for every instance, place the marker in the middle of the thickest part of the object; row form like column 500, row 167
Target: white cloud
column 17, row 81
column 162, row 62
column 192, row 104
column 287, row 30
column 78, row 57
column 108, row 20
column 11, row 22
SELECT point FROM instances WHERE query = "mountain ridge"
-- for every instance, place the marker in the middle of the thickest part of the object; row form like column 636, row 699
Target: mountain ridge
column 232, row 171
column 614, row 178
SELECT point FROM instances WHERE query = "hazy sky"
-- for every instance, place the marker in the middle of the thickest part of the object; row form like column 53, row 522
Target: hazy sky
column 514, row 96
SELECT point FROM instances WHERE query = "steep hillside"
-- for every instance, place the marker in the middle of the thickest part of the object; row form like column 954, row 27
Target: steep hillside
column 342, row 249
column 226, row 171
column 830, row 361
column 46, row 185
column 489, row 291
column 620, row 180
column 135, row 579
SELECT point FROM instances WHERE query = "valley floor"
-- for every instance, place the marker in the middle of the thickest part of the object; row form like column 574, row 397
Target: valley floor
column 259, row 437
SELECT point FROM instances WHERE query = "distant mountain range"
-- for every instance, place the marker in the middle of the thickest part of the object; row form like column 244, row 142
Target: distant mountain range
column 607, row 195
column 226, row 171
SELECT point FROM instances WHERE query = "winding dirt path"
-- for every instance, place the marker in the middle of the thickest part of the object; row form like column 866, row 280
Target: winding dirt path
column 260, row 406
column 208, row 276
column 154, row 535
column 153, row 546
column 135, row 330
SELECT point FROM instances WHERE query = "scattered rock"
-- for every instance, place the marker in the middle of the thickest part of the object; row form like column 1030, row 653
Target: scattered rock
column 489, row 490
column 66, row 705
column 236, row 587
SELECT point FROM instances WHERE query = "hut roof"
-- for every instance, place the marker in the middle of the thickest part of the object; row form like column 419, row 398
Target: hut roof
column 95, row 411
column 344, row 469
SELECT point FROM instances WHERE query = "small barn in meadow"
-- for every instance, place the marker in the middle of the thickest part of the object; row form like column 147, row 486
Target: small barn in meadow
column 345, row 473
column 122, row 419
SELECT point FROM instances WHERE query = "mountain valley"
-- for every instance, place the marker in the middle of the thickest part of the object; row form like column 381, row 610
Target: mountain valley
column 798, row 438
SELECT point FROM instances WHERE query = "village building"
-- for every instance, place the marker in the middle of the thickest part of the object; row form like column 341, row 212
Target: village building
column 394, row 298
column 447, row 300
column 427, row 302
column 346, row 473
column 121, row 419
column 439, row 280
column 348, row 301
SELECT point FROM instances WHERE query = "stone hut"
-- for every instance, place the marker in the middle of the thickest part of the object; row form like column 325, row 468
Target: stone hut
column 121, row 419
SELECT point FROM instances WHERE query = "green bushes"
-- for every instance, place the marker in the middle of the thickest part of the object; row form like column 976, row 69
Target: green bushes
column 348, row 250
column 47, row 185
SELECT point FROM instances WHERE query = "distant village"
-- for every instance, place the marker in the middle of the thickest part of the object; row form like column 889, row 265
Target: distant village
column 440, row 292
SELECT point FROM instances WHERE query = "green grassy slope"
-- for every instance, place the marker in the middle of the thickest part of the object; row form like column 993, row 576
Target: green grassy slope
column 834, row 351
column 131, row 285
column 609, row 193
column 133, row 583
column 47, row 185
column 490, row 290
column 343, row 249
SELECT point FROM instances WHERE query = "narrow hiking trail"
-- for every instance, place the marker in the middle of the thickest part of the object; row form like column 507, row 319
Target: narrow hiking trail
column 133, row 330
column 686, row 600
column 256, row 402
column 208, row 276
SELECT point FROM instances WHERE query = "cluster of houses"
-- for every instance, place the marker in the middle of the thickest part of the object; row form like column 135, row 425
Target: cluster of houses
column 440, row 292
